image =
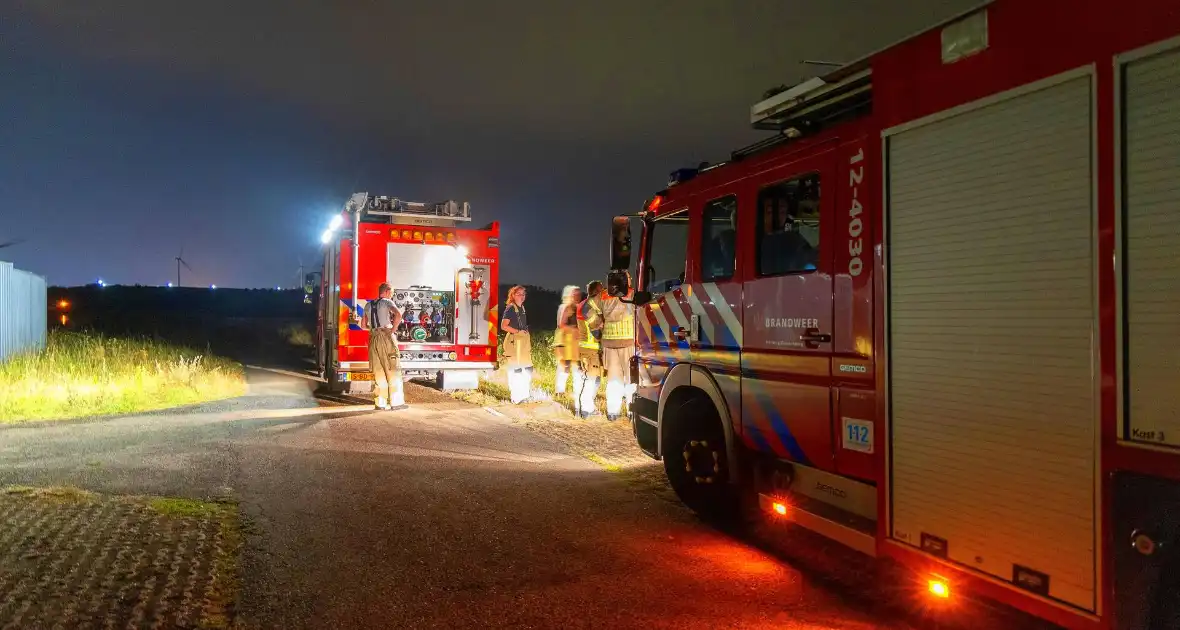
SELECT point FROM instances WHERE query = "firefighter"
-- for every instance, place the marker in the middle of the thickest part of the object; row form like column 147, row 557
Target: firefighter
column 517, row 346
column 565, row 340
column 618, row 345
column 588, row 376
column 383, row 319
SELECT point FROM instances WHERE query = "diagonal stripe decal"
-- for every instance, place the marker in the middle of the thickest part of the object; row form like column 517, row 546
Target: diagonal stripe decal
column 719, row 302
column 666, row 331
column 673, row 302
column 707, row 332
column 766, row 404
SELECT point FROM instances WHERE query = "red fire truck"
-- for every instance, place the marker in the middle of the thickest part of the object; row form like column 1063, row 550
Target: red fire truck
column 443, row 274
column 934, row 316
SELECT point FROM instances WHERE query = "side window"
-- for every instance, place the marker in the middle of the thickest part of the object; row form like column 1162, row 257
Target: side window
column 718, row 239
column 667, row 252
column 788, row 226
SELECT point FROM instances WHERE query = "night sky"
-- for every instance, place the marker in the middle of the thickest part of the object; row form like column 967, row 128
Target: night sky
column 234, row 129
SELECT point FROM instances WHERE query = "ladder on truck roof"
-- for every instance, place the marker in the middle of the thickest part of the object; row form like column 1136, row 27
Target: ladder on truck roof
column 395, row 209
column 816, row 102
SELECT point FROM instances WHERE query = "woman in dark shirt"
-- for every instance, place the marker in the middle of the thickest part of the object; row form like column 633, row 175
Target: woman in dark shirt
column 517, row 346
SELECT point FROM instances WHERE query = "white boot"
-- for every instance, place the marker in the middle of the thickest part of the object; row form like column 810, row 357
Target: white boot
column 614, row 399
column 397, row 399
column 586, row 397
column 381, row 403
column 563, row 378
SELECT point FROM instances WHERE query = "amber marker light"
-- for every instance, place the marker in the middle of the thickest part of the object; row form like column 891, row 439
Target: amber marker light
column 939, row 587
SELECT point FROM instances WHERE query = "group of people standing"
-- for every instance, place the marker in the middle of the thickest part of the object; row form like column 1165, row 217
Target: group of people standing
column 595, row 339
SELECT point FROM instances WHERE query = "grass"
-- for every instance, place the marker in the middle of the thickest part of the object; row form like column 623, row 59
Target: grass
column 298, row 336
column 169, row 506
column 61, row 494
column 82, row 374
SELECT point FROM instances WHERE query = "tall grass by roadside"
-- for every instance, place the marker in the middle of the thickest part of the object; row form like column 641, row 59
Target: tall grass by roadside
column 82, row 374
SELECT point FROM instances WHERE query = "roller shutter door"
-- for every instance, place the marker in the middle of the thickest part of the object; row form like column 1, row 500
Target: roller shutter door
column 1152, row 237
column 991, row 316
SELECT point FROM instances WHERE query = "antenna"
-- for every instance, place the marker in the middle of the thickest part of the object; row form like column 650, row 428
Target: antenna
column 812, row 62
column 180, row 261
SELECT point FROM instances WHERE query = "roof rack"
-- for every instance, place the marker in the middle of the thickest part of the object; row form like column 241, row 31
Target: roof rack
column 395, row 208
column 815, row 101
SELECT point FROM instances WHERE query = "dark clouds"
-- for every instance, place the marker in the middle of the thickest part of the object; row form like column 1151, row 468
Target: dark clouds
column 233, row 126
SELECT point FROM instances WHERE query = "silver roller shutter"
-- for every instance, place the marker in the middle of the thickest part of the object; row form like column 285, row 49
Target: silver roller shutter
column 1152, row 203
column 991, row 312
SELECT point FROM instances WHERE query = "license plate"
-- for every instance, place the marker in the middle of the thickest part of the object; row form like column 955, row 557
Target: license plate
column 359, row 376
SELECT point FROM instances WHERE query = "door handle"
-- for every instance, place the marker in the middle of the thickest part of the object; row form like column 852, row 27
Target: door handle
column 680, row 333
column 815, row 337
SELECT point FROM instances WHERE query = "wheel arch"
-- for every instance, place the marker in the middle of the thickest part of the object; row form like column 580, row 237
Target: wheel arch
column 680, row 380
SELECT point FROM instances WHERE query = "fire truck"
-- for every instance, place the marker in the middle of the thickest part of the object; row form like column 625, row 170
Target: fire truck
column 933, row 316
column 443, row 273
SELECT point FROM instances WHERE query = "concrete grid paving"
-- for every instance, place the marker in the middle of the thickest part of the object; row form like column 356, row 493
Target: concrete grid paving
column 74, row 559
column 611, row 445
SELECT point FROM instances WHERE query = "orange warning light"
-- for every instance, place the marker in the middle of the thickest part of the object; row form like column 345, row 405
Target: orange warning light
column 780, row 508
column 939, row 587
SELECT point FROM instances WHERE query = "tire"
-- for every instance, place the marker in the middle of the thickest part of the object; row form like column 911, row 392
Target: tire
column 702, row 481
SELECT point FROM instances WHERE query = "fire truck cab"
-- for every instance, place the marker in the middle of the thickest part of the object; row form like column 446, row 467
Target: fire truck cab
column 933, row 316
column 443, row 274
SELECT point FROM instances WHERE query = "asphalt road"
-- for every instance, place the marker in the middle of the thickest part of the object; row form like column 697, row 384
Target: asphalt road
column 440, row 516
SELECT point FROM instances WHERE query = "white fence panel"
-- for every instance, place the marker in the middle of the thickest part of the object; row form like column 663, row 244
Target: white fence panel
column 22, row 311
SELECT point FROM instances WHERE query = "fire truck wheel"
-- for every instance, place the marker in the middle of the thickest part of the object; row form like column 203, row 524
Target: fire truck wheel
column 696, row 461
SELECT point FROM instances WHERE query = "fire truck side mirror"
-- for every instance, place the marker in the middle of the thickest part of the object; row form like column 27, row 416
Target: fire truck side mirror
column 620, row 244
column 616, row 283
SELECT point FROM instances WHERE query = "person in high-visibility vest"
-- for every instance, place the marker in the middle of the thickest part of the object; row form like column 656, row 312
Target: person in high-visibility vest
column 618, row 345
column 588, row 375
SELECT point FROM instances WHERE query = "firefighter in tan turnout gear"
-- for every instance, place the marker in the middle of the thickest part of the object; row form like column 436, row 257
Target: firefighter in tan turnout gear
column 381, row 321
column 588, row 375
column 617, row 319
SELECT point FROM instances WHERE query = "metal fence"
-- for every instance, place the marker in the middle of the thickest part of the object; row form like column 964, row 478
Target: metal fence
column 22, row 311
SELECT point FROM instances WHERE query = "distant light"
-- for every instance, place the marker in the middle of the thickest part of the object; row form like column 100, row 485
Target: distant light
column 64, row 320
column 63, row 304
column 169, row 285
column 337, row 221
column 101, row 283
column 326, row 237
column 278, row 288
column 213, row 286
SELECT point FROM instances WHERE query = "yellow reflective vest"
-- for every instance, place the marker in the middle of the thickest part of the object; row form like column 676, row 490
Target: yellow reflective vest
column 588, row 337
column 618, row 318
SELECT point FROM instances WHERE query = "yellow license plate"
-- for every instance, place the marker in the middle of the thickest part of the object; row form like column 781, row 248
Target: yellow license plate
column 360, row 376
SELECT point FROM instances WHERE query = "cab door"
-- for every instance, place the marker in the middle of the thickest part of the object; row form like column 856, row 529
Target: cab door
column 787, row 317
column 713, row 296
column 662, row 328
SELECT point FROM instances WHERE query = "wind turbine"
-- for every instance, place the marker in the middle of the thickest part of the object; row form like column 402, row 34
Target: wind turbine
column 180, row 261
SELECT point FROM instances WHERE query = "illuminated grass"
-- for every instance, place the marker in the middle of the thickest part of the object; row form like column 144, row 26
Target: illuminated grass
column 83, row 375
